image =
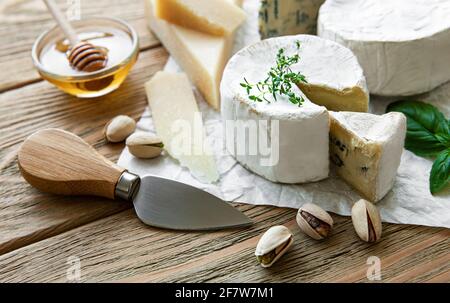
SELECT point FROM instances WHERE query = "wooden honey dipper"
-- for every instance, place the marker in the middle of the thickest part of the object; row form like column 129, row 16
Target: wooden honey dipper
column 83, row 56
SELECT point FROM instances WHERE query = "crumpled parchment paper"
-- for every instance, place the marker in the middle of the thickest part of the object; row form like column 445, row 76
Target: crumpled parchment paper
column 409, row 202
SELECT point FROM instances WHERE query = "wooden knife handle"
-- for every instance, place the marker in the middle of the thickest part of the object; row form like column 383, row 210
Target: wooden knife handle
column 60, row 162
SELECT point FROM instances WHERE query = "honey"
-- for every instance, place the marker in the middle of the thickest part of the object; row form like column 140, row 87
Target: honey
column 115, row 37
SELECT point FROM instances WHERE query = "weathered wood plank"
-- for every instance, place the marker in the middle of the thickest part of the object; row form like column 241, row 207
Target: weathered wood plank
column 26, row 215
column 425, row 266
column 120, row 248
column 39, row 232
column 127, row 245
column 21, row 22
column 308, row 261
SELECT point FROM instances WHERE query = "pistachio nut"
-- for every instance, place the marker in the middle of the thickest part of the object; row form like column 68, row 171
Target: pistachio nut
column 144, row 145
column 119, row 128
column 273, row 244
column 314, row 221
column 366, row 221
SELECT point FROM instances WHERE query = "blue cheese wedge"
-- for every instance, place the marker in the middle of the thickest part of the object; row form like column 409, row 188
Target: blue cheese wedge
column 402, row 45
column 288, row 17
column 366, row 150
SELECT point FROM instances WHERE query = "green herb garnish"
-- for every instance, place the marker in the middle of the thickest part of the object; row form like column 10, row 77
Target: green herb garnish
column 280, row 80
column 428, row 135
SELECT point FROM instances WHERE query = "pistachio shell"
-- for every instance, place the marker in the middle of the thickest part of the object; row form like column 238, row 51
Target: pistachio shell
column 366, row 221
column 119, row 128
column 277, row 239
column 144, row 145
column 319, row 214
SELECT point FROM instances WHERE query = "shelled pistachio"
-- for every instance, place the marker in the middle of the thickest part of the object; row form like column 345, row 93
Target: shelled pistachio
column 314, row 221
column 366, row 221
column 273, row 244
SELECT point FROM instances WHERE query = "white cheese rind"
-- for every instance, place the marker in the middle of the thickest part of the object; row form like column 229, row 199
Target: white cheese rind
column 403, row 45
column 329, row 65
column 288, row 17
column 303, row 131
column 377, row 139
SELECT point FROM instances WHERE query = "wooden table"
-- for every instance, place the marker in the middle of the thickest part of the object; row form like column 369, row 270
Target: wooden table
column 39, row 233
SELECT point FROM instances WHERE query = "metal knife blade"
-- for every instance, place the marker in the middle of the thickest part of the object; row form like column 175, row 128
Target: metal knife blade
column 170, row 204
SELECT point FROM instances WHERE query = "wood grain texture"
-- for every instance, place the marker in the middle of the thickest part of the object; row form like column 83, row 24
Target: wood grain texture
column 27, row 215
column 39, row 232
column 22, row 21
column 121, row 248
column 59, row 162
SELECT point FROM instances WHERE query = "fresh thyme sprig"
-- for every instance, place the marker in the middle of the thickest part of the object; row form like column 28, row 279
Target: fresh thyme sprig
column 280, row 79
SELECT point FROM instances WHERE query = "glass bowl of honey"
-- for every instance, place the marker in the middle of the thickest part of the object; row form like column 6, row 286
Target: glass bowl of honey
column 115, row 36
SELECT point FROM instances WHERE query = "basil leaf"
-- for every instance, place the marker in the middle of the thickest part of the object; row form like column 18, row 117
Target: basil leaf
column 440, row 172
column 428, row 130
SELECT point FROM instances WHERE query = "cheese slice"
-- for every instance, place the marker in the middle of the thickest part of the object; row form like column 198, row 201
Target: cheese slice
column 288, row 17
column 178, row 122
column 366, row 150
column 200, row 55
column 402, row 45
column 297, row 136
column 216, row 17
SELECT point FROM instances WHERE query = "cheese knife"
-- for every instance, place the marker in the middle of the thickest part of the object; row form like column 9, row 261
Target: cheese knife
column 59, row 162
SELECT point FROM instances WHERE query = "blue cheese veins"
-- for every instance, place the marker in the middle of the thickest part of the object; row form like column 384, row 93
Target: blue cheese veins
column 288, row 17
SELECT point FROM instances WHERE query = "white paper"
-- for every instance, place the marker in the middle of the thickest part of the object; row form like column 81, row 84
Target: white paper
column 409, row 202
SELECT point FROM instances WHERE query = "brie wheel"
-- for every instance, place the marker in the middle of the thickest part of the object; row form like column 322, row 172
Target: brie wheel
column 402, row 45
column 298, row 136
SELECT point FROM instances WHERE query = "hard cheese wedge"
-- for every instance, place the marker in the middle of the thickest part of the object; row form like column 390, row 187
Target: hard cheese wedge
column 178, row 122
column 200, row 55
column 215, row 17
column 366, row 150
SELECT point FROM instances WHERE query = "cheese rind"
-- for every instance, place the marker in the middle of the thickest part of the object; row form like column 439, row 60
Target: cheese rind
column 288, row 17
column 334, row 77
column 215, row 17
column 200, row 55
column 177, row 121
column 301, row 142
column 402, row 45
column 366, row 150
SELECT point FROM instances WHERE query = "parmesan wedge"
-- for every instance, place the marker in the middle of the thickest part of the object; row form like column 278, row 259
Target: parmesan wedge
column 201, row 56
column 215, row 17
column 178, row 122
